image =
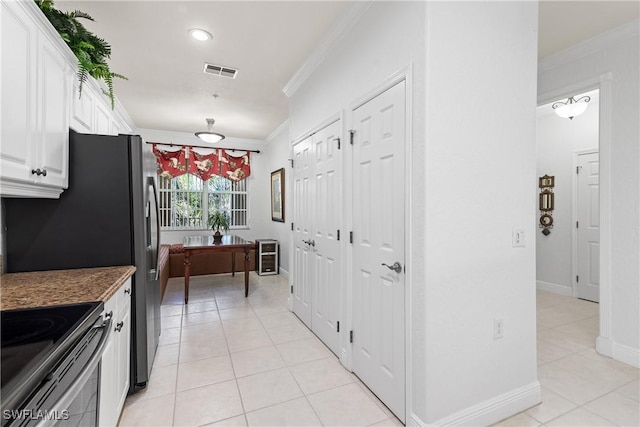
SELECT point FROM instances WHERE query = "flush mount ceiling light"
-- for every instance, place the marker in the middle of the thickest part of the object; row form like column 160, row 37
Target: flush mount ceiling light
column 572, row 107
column 209, row 136
column 200, row 35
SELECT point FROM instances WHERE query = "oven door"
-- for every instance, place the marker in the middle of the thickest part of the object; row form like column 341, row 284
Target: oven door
column 69, row 394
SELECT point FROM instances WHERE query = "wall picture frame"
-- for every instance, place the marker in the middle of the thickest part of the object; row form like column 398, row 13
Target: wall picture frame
column 277, row 195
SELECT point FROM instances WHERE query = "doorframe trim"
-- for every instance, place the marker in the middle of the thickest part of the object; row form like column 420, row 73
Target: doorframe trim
column 403, row 74
column 603, row 82
column 574, row 217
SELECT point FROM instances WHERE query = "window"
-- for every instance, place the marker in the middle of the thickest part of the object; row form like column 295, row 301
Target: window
column 186, row 201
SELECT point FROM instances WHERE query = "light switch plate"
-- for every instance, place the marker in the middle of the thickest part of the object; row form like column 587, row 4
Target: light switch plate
column 518, row 238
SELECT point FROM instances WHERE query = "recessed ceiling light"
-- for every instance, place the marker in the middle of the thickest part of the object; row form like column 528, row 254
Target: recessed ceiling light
column 200, row 34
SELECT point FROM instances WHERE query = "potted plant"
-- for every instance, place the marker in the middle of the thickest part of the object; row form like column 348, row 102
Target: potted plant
column 92, row 52
column 218, row 220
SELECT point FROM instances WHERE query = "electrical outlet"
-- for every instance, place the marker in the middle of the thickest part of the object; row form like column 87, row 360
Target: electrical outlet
column 517, row 238
column 498, row 329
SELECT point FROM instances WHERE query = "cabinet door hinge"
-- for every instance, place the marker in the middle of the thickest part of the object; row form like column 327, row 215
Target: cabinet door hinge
column 577, row 169
column 577, row 279
column 577, row 223
column 351, row 336
column 338, row 235
column 291, row 288
column 338, row 139
column 291, row 160
column 338, row 326
column 291, row 226
column 351, row 133
column 351, row 237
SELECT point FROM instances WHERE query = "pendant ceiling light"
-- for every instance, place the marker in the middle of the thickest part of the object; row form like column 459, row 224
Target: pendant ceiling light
column 572, row 107
column 209, row 136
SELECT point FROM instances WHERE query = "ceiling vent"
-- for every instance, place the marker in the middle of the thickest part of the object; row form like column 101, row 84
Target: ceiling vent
column 219, row 70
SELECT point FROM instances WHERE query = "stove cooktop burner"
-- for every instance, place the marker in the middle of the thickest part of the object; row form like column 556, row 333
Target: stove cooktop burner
column 31, row 336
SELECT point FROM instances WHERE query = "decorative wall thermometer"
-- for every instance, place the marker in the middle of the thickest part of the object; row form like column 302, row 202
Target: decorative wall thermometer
column 546, row 202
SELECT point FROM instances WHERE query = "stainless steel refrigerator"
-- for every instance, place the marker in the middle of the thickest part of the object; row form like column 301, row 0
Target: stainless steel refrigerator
column 107, row 217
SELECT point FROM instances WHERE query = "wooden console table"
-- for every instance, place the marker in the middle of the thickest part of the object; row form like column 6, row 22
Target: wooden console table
column 201, row 244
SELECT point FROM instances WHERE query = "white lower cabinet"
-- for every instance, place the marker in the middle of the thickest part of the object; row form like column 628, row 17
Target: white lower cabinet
column 114, row 369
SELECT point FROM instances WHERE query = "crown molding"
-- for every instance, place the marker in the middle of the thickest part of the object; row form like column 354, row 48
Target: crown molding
column 277, row 131
column 313, row 61
column 592, row 45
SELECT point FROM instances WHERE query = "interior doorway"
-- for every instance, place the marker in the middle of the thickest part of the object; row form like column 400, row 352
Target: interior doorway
column 567, row 244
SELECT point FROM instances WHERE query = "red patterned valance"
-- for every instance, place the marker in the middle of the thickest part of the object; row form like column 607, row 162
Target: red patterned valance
column 170, row 163
column 235, row 168
column 176, row 163
column 204, row 165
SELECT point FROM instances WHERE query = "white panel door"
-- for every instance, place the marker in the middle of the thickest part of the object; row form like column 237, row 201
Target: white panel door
column 326, row 251
column 588, row 231
column 379, row 238
column 303, row 215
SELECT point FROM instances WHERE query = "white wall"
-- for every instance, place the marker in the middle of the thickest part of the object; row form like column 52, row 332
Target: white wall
column 481, row 176
column 273, row 156
column 558, row 140
column 473, row 179
column 613, row 60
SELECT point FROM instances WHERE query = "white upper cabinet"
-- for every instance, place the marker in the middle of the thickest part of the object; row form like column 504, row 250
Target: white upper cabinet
column 40, row 102
column 36, row 88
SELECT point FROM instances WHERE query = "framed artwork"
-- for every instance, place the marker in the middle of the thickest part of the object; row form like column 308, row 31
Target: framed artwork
column 277, row 195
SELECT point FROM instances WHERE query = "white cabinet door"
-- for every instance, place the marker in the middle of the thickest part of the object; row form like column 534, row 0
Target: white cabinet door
column 108, row 367
column 122, row 338
column 102, row 124
column 36, row 86
column 82, row 106
column 55, row 80
column 18, row 93
column 115, row 365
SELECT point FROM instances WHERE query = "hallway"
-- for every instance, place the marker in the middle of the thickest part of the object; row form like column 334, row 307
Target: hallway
column 579, row 386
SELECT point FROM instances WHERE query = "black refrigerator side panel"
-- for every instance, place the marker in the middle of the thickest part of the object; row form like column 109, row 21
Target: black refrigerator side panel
column 90, row 225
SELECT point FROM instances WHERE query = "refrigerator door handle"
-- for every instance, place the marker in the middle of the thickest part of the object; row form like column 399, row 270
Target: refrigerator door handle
column 154, row 212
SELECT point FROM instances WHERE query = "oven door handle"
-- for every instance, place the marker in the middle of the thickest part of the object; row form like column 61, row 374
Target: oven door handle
column 67, row 398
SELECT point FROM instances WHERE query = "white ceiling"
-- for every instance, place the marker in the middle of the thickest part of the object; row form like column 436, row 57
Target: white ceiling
column 267, row 41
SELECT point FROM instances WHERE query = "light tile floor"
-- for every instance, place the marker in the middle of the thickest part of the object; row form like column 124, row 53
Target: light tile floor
column 232, row 361
column 579, row 386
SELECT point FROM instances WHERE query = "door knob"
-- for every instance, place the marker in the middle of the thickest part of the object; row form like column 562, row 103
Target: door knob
column 397, row 267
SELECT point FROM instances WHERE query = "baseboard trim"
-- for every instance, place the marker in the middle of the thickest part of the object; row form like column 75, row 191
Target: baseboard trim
column 619, row 352
column 625, row 354
column 493, row 410
column 284, row 273
column 554, row 288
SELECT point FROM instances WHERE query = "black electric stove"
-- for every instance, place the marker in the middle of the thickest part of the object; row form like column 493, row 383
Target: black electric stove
column 34, row 341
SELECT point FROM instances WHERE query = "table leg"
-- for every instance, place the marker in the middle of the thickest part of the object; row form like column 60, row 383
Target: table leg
column 233, row 264
column 187, row 264
column 246, row 274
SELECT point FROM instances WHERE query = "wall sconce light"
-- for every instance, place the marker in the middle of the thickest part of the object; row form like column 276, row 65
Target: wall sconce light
column 572, row 107
column 546, row 203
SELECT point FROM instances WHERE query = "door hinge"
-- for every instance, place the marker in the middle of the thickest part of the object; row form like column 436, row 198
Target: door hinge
column 338, row 139
column 578, row 169
column 291, row 160
column 577, row 223
column 338, row 235
column 351, row 336
column 291, row 226
column 338, row 326
column 291, row 288
column 351, row 133
column 351, row 237
column 577, row 279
